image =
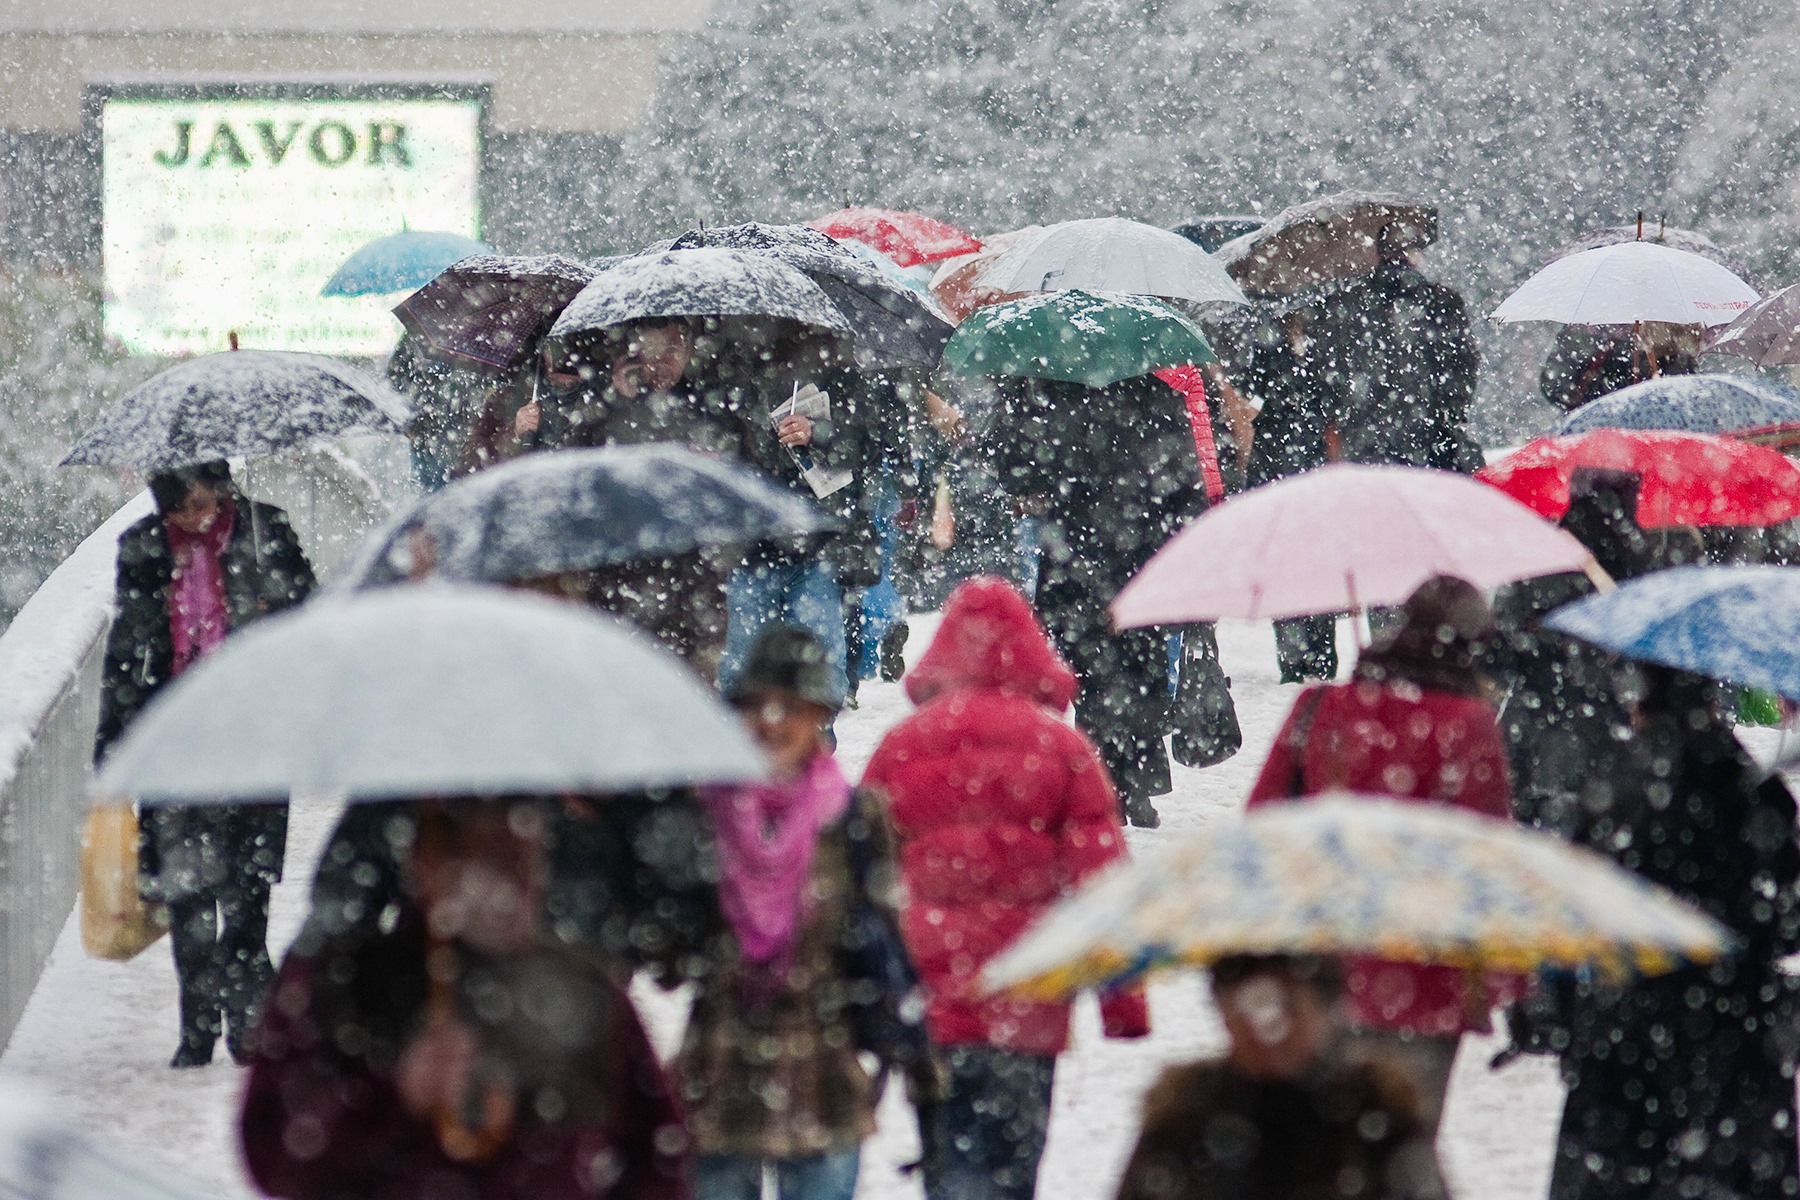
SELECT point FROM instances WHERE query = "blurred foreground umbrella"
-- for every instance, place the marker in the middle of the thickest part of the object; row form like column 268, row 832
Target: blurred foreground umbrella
column 1350, row 874
column 907, row 238
column 488, row 311
column 1767, row 333
column 1626, row 283
column 1076, row 336
column 1687, row 478
column 239, row 403
column 1325, row 240
column 1109, row 254
column 578, row 510
column 699, row 283
column 1690, row 404
column 400, row 262
column 429, row 691
column 1738, row 624
column 1340, row 538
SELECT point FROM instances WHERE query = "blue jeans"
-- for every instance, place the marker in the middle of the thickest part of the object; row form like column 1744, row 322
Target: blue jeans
column 821, row 1177
column 987, row 1135
column 803, row 594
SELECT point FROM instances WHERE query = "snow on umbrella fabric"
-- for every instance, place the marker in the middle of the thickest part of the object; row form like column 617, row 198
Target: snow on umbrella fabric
column 489, row 311
column 1075, row 336
column 909, row 239
column 1679, row 239
column 238, row 403
column 1109, row 254
column 1690, row 404
column 1627, row 283
column 401, row 262
column 1342, row 537
column 582, row 509
column 960, row 284
column 1347, row 874
column 1687, row 478
column 1323, row 241
column 699, row 283
column 429, row 691
column 1767, row 333
column 1739, row 624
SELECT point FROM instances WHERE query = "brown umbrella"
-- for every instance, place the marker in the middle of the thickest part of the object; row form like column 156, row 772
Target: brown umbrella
column 1324, row 240
column 1767, row 333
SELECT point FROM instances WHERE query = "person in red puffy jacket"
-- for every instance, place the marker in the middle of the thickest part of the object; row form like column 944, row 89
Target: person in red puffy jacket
column 999, row 809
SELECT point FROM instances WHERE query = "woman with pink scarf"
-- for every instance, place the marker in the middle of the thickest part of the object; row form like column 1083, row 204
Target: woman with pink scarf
column 207, row 562
column 770, row 1068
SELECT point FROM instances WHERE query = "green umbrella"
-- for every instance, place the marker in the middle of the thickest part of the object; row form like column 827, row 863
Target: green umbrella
column 1080, row 337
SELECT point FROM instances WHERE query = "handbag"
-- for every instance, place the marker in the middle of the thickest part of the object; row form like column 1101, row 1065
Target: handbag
column 117, row 923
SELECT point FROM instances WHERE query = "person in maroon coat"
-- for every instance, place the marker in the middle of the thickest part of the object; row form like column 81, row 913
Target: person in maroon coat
column 999, row 809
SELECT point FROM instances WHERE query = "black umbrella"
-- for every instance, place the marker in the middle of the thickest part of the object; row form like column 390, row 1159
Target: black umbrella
column 699, row 283
column 489, row 310
column 582, row 509
column 238, row 403
column 893, row 326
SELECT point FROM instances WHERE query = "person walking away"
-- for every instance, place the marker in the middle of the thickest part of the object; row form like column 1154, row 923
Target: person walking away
column 999, row 810
column 770, row 1068
column 453, row 1049
column 1116, row 473
column 206, row 563
column 1279, row 1116
column 1415, row 723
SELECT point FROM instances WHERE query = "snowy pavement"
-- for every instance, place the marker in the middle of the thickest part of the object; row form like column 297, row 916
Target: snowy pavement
column 95, row 1041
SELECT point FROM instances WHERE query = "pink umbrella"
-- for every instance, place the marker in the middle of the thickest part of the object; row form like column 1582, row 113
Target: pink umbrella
column 1342, row 538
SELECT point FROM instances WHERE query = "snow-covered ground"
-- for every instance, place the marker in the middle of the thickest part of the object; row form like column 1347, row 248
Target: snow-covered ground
column 95, row 1041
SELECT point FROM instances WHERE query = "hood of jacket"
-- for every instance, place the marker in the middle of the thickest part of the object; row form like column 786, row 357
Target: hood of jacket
column 991, row 639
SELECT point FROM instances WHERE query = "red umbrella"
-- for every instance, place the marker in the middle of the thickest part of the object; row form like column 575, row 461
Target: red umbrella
column 907, row 238
column 1688, row 478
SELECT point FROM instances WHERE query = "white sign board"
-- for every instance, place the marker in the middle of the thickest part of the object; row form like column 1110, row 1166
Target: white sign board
column 227, row 215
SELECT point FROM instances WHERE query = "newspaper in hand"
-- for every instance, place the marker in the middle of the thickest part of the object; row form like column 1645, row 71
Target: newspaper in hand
column 815, row 405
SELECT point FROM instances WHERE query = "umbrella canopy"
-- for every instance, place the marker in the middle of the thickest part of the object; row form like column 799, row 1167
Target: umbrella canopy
column 699, row 283
column 1342, row 537
column 960, row 284
column 238, row 403
column 1740, row 624
column 429, row 691
column 1690, row 404
column 1767, row 333
column 1687, row 478
column 400, row 262
column 490, row 310
column 1109, row 254
column 907, row 238
column 1626, row 283
column 1680, row 239
column 581, row 509
column 1341, row 874
column 1324, row 240
column 1211, row 232
column 1076, row 336
column 892, row 325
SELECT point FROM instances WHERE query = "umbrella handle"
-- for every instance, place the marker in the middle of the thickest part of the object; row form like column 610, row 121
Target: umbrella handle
column 1603, row 583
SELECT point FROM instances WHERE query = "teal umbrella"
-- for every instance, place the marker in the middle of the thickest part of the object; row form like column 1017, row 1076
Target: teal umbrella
column 400, row 262
column 1090, row 338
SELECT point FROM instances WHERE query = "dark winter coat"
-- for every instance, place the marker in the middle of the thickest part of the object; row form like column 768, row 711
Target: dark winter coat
column 1399, row 356
column 999, row 810
column 1212, row 1133
column 186, row 850
column 691, row 415
column 1585, row 364
column 1297, row 408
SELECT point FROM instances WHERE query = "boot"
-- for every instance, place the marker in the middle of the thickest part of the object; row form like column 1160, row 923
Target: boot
column 893, row 652
column 1141, row 812
column 199, row 1030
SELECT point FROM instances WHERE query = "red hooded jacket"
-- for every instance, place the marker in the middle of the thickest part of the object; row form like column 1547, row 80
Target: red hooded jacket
column 1000, row 809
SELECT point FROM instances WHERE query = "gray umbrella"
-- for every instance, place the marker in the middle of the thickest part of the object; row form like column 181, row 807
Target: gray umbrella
column 429, row 691
column 698, row 283
column 244, row 403
column 581, row 509
column 1332, row 238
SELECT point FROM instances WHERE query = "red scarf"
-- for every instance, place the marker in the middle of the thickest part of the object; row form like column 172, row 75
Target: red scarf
column 198, row 620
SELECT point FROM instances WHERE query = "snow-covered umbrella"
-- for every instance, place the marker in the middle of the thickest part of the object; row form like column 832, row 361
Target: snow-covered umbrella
column 1691, row 404
column 238, row 403
column 1626, row 283
column 429, row 691
column 1322, row 241
column 1767, row 333
column 699, row 283
column 1076, row 336
column 1111, row 254
column 1680, row 239
column 401, row 262
column 488, row 311
column 582, row 509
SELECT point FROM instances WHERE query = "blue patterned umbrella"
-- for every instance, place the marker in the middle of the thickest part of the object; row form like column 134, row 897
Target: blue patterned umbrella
column 1691, row 404
column 400, row 262
column 1739, row 624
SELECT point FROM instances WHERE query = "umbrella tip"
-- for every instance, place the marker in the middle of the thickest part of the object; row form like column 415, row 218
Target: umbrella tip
column 232, row 338
column 1640, row 227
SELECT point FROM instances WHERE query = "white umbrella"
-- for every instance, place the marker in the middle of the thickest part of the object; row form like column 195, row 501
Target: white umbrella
column 1630, row 282
column 432, row 690
column 1110, row 254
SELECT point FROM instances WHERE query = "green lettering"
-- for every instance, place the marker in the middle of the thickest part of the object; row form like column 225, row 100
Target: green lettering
column 276, row 147
column 184, row 136
column 388, row 139
column 225, row 145
column 337, row 156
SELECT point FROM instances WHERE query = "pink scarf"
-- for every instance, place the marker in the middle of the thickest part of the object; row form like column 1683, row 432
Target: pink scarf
column 197, row 616
column 766, row 836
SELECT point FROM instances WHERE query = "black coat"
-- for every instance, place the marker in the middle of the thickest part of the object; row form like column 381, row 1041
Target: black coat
column 1297, row 408
column 187, row 851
